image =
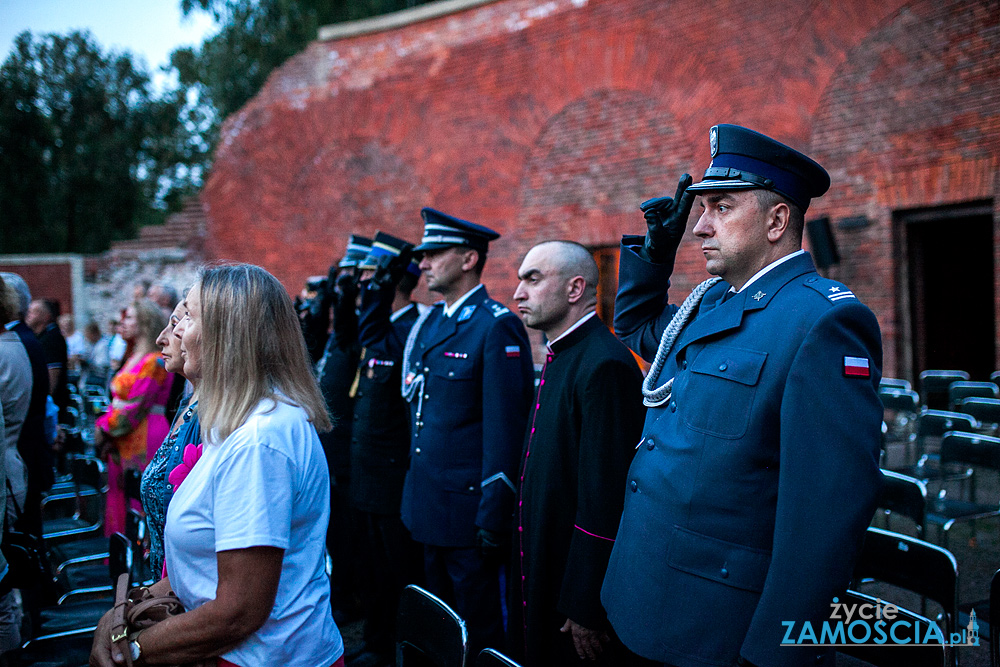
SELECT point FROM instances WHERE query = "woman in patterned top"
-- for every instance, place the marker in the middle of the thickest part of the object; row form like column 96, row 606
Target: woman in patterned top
column 135, row 424
column 179, row 451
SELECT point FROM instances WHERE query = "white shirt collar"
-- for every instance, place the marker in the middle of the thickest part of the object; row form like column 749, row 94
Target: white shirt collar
column 450, row 310
column 571, row 329
column 399, row 313
column 767, row 268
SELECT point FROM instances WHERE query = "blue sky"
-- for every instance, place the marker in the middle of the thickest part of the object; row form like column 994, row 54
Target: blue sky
column 148, row 28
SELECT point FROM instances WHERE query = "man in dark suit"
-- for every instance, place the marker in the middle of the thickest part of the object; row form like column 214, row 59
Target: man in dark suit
column 380, row 442
column 757, row 475
column 468, row 376
column 580, row 440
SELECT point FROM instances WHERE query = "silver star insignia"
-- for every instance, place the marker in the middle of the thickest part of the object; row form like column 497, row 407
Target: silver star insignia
column 834, row 289
column 758, row 296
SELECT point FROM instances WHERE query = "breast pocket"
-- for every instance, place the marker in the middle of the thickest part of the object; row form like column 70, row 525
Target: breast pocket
column 721, row 390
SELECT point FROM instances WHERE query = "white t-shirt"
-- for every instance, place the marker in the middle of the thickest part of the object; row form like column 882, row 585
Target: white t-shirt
column 266, row 485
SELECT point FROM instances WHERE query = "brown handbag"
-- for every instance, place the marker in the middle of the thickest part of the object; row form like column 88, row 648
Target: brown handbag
column 138, row 609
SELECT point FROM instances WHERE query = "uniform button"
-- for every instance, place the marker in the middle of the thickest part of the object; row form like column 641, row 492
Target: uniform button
column 723, row 366
column 673, row 406
column 417, row 451
column 360, row 394
column 426, row 369
column 392, row 460
column 634, row 486
column 357, row 417
column 724, row 573
column 812, row 280
column 451, row 374
column 650, row 444
column 472, row 488
column 426, row 396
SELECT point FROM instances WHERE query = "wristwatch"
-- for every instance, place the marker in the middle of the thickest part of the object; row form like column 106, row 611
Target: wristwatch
column 135, row 648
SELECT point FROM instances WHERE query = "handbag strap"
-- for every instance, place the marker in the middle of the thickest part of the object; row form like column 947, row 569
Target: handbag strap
column 119, row 627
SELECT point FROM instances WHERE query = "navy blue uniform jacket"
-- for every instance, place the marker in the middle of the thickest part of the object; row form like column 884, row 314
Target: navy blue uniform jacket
column 751, row 504
column 464, row 448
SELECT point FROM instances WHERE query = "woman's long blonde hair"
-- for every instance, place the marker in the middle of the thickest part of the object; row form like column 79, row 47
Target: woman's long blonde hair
column 251, row 349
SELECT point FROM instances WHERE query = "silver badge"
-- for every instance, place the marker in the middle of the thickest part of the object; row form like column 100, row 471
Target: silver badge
column 759, row 295
column 713, row 140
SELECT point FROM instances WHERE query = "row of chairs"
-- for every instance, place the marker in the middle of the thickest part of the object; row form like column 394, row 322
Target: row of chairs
column 941, row 389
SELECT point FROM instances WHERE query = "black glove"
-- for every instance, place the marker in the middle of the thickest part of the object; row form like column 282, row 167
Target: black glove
column 390, row 269
column 666, row 221
column 493, row 546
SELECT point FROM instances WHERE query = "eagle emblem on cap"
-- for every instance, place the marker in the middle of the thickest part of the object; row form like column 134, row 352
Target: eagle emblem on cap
column 713, row 140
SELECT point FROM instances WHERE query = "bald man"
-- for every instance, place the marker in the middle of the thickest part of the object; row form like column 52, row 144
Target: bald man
column 579, row 443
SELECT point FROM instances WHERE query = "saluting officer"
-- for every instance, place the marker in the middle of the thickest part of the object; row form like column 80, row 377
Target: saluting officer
column 468, row 377
column 749, row 495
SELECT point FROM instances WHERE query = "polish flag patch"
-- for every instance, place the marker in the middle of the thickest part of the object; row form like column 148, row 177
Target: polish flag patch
column 856, row 367
column 513, row 351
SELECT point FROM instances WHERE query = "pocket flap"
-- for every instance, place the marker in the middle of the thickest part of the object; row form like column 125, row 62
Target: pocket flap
column 725, row 562
column 732, row 363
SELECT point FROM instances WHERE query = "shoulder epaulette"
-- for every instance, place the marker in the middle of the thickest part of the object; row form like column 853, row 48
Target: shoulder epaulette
column 831, row 289
column 496, row 308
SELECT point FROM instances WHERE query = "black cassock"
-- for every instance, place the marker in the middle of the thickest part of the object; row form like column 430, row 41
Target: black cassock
column 582, row 433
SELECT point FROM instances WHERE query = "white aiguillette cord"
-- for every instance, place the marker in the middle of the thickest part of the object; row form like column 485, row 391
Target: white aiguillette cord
column 412, row 382
column 653, row 398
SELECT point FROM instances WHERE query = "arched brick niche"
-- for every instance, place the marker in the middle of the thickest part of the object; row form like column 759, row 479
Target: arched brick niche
column 910, row 120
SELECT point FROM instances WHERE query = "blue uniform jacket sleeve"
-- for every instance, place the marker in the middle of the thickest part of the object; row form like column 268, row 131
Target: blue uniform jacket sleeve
column 829, row 479
column 642, row 311
column 375, row 328
column 508, row 383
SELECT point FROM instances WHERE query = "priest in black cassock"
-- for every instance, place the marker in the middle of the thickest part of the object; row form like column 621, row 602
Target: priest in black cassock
column 579, row 444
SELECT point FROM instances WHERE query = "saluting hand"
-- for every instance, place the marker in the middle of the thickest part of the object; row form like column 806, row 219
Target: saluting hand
column 666, row 221
column 588, row 643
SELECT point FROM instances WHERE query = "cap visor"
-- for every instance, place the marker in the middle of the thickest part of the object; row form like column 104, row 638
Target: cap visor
column 723, row 185
column 424, row 247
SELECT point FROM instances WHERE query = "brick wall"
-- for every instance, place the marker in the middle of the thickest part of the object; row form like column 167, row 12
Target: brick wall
column 553, row 119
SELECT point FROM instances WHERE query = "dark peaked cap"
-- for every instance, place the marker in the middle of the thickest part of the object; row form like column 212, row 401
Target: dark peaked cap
column 357, row 249
column 444, row 231
column 743, row 160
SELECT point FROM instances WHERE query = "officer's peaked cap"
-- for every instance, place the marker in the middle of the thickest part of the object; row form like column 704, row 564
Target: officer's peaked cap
column 357, row 249
column 743, row 160
column 445, row 231
column 386, row 245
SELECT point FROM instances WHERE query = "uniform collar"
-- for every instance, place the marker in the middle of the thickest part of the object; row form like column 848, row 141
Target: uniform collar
column 769, row 267
column 399, row 313
column 453, row 308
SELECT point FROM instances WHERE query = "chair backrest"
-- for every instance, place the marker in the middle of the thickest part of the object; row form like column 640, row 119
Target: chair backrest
column 966, row 389
column 428, row 631
column 889, row 654
column 894, row 383
column 984, row 410
column 489, row 657
column 121, row 556
column 971, row 448
column 918, row 566
column 934, row 386
column 904, row 495
column 935, row 423
column 995, row 627
column 899, row 400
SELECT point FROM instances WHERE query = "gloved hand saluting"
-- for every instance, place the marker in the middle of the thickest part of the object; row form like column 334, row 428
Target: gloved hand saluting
column 390, row 269
column 666, row 220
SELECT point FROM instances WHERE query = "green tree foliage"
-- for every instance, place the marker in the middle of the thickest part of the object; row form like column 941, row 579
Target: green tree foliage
column 255, row 37
column 87, row 151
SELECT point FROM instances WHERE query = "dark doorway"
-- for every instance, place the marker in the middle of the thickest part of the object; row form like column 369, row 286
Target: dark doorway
column 949, row 258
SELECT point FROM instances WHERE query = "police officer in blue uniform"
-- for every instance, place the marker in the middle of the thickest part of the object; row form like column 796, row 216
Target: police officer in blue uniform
column 468, row 376
column 757, row 473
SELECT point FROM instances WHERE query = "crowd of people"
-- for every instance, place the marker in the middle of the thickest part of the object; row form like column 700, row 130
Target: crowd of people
column 304, row 461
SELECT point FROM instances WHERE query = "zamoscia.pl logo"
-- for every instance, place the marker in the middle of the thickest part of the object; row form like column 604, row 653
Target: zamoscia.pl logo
column 876, row 623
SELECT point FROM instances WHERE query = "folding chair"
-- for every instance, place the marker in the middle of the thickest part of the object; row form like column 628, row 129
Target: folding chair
column 901, row 407
column 918, row 566
column 894, row 383
column 984, row 410
column 995, row 620
column 958, row 391
column 964, row 449
column 892, row 655
column 903, row 495
column 934, row 386
column 489, row 657
column 428, row 632
column 931, row 426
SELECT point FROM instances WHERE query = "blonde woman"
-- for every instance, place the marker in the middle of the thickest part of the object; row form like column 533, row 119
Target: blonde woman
column 245, row 532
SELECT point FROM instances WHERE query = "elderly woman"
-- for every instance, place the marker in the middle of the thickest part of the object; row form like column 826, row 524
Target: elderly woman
column 178, row 453
column 245, row 531
column 132, row 429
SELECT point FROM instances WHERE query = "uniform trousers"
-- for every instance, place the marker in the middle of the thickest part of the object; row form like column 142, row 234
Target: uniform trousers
column 471, row 585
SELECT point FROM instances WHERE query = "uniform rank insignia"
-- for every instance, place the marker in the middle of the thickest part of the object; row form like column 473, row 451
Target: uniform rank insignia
column 457, row 355
column 513, row 351
column 372, row 363
column 856, row 367
column 498, row 310
column 466, row 313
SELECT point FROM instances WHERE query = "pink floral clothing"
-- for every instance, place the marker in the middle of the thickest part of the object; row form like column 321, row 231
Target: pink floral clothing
column 136, row 424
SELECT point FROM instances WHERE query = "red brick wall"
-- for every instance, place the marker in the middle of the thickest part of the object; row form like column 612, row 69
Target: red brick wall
column 47, row 281
column 554, row 119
